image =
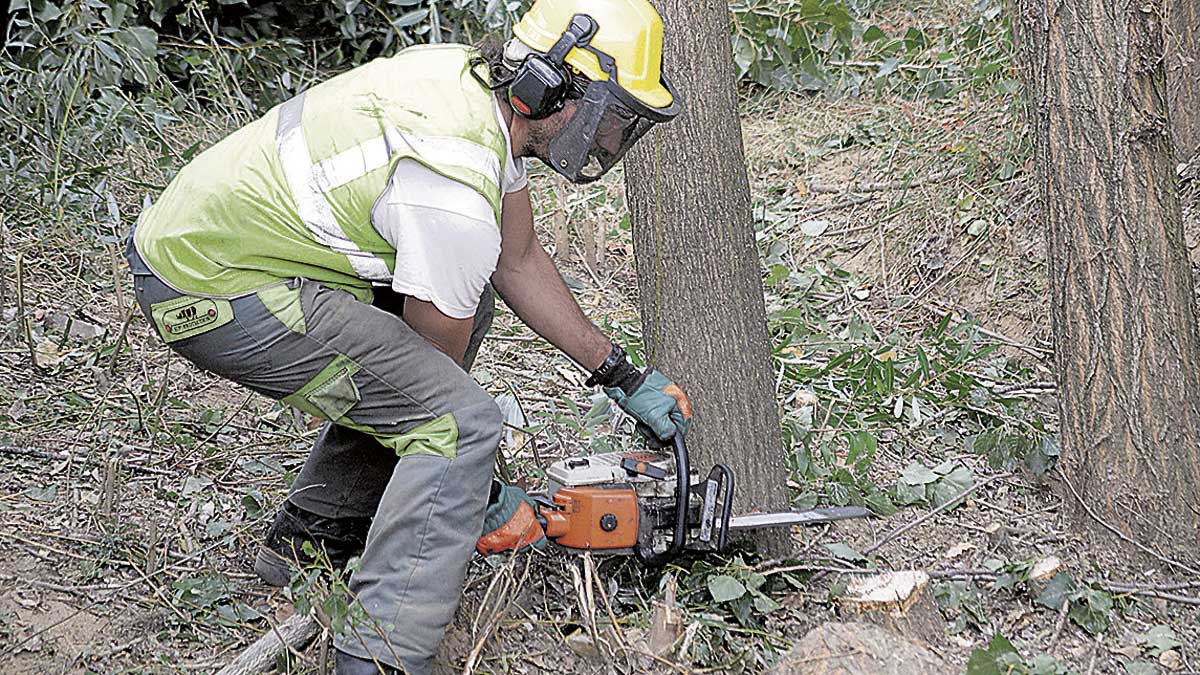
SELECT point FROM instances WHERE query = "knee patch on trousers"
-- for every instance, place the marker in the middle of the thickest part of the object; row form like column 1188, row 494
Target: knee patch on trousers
column 438, row 437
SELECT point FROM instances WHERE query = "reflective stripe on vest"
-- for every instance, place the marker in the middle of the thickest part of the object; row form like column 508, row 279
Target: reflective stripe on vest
column 311, row 182
column 368, row 156
column 311, row 203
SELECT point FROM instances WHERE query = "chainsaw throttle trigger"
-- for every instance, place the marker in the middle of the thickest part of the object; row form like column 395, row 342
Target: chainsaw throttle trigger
column 639, row 467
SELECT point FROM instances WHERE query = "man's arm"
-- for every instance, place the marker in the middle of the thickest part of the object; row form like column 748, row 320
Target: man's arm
column 531, row 285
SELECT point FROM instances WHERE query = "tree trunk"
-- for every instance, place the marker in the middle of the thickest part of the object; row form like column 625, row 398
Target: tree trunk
column 703, row 315
column 1183, row 76
column 1121, row 290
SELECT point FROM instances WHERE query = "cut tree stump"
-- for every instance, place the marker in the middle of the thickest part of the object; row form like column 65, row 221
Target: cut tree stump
column 296, row 633
column 898, row 601
column 858, row 649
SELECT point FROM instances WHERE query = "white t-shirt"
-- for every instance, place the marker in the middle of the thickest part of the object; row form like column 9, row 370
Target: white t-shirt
column 446, row 236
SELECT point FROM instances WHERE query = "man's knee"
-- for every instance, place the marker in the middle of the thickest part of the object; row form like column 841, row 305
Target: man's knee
column 481, row 422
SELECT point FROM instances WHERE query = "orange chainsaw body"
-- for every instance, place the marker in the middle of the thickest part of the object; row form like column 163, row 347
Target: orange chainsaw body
column 593, row 518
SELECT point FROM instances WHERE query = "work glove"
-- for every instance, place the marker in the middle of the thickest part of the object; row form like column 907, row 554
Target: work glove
column 510, row 523
column 655, row 402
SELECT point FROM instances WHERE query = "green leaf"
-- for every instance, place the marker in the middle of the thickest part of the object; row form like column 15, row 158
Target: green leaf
column 1090, row 609
column 879, row 502
column 1042, row 459
column 725, row 588
column 1056, row 591
column 843, row 552
column 195, row 484
column 950, row 486
column 1140, row 668
column 43, row 494
column 873, row 33
column 907, row 495
column 1000, row 658
column 1158, row 639
column 765, row 604
column 917, row 474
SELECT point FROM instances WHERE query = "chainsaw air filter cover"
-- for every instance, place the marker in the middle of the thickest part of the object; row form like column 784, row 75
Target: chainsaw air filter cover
column 650, row 474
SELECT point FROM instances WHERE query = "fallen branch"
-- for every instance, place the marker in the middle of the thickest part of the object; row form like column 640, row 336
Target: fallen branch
column 294, row 634
column 38, row 453
column 949, row 503
column 887, row 185
column 23, row 321
column 853, row 201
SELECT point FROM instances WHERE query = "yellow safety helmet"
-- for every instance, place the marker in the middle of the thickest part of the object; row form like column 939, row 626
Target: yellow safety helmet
column 606, row 56
column 630, row 31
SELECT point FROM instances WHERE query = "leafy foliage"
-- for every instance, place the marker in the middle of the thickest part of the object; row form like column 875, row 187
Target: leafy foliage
column 819, row 46
column 1000, row 657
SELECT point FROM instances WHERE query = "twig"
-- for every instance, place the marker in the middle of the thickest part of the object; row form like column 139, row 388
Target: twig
column 950, row 503
column 1095, row 653
column 24, row 321
column 853, row 201
column 112, row 364
column 1059, row 623
column 887, row 185
column 293, row 634
column 1141, row 547
column 875, row 65
column 507, row 593
column 3, row 263
column 62, row 456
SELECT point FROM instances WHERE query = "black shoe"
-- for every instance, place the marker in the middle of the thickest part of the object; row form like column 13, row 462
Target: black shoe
column 347, row 664
column 282, row 552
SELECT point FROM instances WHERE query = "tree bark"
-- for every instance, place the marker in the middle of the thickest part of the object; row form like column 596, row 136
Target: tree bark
column 1128, row 354
column 703, row 314
column 1183, row 76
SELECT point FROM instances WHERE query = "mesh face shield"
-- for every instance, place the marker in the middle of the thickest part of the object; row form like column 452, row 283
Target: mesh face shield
column 607, row 122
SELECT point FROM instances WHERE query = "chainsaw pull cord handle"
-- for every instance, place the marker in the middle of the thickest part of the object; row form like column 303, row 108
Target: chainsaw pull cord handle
column 682, row 498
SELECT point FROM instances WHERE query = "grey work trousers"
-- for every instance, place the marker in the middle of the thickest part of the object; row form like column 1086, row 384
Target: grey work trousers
column 417, row 455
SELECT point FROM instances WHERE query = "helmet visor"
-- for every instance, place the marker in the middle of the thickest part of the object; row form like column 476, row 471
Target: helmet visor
column 603, row 128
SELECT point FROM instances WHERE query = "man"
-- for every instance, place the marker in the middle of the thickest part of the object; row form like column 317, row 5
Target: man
column 336, row 254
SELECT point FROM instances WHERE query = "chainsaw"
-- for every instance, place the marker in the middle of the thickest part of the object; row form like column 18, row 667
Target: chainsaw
column 653, row 505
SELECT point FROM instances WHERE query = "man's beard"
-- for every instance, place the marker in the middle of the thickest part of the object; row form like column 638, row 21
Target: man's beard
column 537, row 144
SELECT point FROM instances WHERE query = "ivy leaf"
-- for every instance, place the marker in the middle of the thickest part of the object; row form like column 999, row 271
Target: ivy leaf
column 918, row 474
column 1091, row 609
column 951, row 485
column 907, row 495
column 879, row 503
column 1158, row 639
column 725, row 588
column 1000, row 658
column 1056, row 591
column 843, row 552
column 1140, row 668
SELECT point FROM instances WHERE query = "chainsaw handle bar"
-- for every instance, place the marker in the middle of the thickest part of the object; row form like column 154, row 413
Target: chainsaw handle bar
column 682, row 498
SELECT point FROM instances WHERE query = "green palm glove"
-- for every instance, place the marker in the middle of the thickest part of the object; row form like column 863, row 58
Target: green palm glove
column 655, row 401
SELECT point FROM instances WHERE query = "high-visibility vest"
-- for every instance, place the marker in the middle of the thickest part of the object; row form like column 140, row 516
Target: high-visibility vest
column 290, row 194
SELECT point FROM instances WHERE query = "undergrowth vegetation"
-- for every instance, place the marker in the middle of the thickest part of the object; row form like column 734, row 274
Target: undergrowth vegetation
column 888, row 400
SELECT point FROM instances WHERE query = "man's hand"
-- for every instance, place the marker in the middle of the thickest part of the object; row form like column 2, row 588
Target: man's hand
column 655, row 401
column 510, row 522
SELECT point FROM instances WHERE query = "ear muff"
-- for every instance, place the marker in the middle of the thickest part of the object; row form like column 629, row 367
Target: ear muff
column 540, row 86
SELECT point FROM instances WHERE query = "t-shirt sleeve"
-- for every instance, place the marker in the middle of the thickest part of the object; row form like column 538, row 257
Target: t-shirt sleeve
column 515, row 176
column 445, row 234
